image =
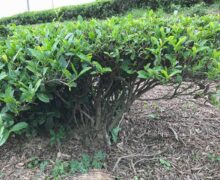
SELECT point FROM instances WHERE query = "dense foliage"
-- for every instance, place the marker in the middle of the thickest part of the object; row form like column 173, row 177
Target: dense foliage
column 100, row 9
column 90, row 72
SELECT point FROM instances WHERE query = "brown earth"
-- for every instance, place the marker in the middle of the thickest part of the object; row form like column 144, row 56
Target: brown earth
column 165, row 139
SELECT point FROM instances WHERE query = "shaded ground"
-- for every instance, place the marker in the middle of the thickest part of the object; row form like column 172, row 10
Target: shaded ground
column 175, row 139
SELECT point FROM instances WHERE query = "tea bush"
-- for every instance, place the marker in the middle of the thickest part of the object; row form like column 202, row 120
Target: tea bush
column 90, row 72
column 99, row 9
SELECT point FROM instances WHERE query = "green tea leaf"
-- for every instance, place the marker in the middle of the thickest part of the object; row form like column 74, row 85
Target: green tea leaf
column 142, row 74
column 115, row 133
column 18, row 127
column 85, row 69
column 3, row 75
column 37, row 54
column 4, row 134
column 43, row 97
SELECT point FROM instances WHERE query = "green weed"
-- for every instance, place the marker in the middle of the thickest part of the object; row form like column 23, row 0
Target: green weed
column 165, row 163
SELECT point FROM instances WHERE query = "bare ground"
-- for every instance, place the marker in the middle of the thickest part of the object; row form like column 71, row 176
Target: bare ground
column 165, row 139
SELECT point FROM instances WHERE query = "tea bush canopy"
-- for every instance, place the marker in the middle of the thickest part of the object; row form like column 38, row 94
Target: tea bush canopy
column 90, row 72
column 100, row 9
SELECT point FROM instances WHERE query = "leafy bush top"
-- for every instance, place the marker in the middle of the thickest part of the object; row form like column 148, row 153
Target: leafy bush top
column 100, row 9
column 90, row 72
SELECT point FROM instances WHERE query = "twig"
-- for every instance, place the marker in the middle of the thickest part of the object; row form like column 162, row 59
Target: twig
column 61, row 98
column 88, row 116
column 174, row 132
column 108, row 89
column 74, row 117
column 175, row 94
column 141, row 135
column 175, row 91
column 136, row 155
column 81, row 116
column 144, row 159
column 133, row 167
column 56, row 80
column 122, row 118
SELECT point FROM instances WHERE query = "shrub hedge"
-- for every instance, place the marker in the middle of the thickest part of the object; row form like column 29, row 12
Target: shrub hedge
column 90, row 72
column 99, row 9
